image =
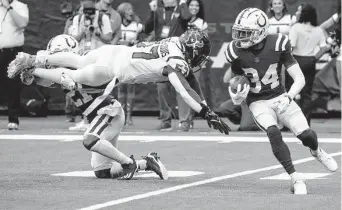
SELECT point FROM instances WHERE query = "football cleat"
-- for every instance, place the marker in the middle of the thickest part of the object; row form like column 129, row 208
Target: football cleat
column 80, row 126
column 154, row 164
column 23, row 62
column 325, row 159
column 299, row 187
column 129, row 169
column 12, row 126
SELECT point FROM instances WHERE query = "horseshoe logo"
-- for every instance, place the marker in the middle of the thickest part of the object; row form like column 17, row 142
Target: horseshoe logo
column 261, row 21
column 72, row 45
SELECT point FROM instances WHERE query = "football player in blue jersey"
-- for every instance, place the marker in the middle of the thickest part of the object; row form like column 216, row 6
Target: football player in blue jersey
column 259, row 56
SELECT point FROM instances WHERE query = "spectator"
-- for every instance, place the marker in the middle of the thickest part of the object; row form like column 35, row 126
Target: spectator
column 67, row 12
column 279, row 19
column 91, row 28
column 305, row 36
column 14, row 17
column 130, row 29
column 115, row 19
column 196, row 9
column 167, row 21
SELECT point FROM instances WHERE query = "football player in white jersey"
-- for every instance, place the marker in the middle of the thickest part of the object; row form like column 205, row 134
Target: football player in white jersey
column 259, row 57
column 107, row 123
column 148, row 62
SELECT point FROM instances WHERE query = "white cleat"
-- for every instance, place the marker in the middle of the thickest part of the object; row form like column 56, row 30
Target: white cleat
column 299, row 187
column 81, row 126
column 22, row 63
column 154, row 164
column 323, row 157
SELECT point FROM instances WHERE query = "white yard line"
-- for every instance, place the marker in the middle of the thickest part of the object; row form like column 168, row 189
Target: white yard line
column 193, row 184
column 151, row 138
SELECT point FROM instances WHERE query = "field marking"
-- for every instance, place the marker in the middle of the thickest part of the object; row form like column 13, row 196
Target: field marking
column 141, row 174
column 152, row 138
column 193, row 184
column 307, row 176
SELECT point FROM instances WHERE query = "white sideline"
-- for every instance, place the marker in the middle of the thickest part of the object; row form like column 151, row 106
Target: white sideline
column 151, row 138
column 193, row 184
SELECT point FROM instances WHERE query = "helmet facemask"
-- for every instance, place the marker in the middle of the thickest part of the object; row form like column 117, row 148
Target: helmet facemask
column 247, row 37
column 197, row 49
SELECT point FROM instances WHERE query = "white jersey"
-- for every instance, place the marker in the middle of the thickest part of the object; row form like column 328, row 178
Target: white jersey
column 145, row 62
column 130, row 32
column 281, row 26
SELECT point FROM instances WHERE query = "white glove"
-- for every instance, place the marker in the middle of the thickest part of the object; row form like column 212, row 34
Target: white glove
column 182, row 1
column 283, row 103
column 240, row 95
column 67, row 82
column 26, row 78
column 154, row 5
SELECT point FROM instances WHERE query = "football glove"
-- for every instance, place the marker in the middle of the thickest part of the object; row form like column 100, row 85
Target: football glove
column 26, row 78
column 67, row 82
column 240, row 95
column 214, row 120
column 283, row 103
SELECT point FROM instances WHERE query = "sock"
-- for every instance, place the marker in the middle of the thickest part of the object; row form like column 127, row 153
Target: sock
column 314, row 152
column 280, row 149
column 295, row 176
column 142, row 164
column 105, row 148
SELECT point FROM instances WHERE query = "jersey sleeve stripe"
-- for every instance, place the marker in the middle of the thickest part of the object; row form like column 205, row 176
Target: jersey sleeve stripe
column 277, row 45
column 175, row 57
column 227, row 56
column 231, row 50
column 284, row 43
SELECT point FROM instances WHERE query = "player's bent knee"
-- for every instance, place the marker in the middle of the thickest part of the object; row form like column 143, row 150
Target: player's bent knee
column 89, row 141
column 273, row 131
column 103, row 174
column 308, row 138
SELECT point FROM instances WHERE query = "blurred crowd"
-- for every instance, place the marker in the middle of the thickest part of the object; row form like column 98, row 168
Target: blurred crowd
column 96, row 23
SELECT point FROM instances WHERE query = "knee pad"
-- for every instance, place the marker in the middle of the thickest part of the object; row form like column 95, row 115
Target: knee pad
column 103, row 174
column 89, row 141
column 309, row 139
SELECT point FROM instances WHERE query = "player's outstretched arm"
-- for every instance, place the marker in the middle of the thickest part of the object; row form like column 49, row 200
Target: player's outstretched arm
column 182, row 86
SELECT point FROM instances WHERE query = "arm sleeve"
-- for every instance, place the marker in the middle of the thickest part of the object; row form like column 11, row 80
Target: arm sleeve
column 195, row 85
column 182, row 86
column 298, row 80
column 236, row 67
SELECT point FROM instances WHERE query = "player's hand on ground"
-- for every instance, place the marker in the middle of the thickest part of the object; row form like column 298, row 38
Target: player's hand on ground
column 283, row 103
column 215, row 122
column 240, row 95
column 67, row 82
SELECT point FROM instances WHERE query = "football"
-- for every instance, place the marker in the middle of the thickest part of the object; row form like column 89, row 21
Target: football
column 235, row 81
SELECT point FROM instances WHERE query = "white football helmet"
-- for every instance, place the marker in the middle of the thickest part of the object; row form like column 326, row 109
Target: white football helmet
column 250, row 27
column 62, row 43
